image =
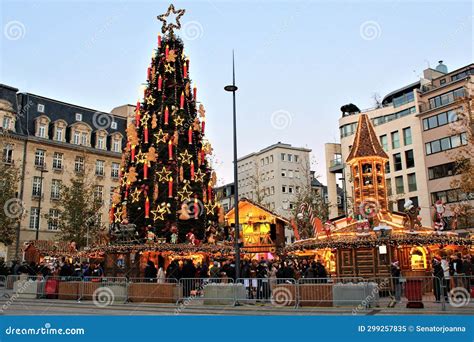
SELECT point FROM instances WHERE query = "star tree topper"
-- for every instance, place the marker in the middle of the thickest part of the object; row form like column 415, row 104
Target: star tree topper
column 169, row 27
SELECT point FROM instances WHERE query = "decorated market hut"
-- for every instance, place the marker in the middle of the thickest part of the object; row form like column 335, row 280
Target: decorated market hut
column 262, row 231
column 366, row 244
column 44, row 250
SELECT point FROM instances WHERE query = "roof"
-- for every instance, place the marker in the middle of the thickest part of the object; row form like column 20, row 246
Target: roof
column 406, row 89
column 50, row 247
column 366, row 143
column 273, row 146
column 246, row 202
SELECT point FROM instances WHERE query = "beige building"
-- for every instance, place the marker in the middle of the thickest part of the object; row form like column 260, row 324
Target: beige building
column 402, row 123
column 50, row 141
column 274, row 176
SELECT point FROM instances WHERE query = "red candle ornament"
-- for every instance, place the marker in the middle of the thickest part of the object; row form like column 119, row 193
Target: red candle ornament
column 137, row 114
column 190, row 136
column 170, row 187
column 160, row 82
column 167, row 114
column 203, row 125
column 181, row 101
column 196, row 208
column 192, row 170
column 112, row 212
column 209, row 190
column 148, row 73
column 145, row 171
column 145, row 132
column 202, row 155
column 170, row 150
column 147, row 207
column 195, row 93
column 133, row 152
column 159, row 41
column 185, row 70
column 167, row 50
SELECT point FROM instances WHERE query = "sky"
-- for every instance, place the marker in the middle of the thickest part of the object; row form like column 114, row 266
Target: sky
column 297, row 62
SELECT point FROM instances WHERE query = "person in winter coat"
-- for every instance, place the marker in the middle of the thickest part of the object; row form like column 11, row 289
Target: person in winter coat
column 173, row 272
column 322, row 275
column 447, row 276
column 468, row 272
column 161, row 277
column 150, row 272
column 438, row 278
column 215, row 271
column 396, row 273
column 311, row 273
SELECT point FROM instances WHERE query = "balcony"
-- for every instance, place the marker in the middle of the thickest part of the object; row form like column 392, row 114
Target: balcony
column 336, row 166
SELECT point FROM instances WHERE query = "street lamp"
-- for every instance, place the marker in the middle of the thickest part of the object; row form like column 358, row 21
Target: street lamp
column 42, row 171
column 232, row 88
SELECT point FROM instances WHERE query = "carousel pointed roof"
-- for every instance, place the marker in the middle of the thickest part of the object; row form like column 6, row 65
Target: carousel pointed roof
column 366, row 143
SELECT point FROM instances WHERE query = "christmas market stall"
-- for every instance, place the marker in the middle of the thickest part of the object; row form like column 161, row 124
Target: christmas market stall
column 365, row 244
column 262, row 231
column 39, row 251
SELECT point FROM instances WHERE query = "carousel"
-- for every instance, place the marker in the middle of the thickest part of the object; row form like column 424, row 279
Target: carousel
column 365, row 245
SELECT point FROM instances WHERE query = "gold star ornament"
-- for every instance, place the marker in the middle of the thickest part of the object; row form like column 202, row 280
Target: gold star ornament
column 135, row 195
column 164, row 174
column 169, row 27
column 185, row 157
column 150, row 100
column 160, row 136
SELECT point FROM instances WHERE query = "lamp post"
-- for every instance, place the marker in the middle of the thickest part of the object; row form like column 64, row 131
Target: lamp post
column 232, row 88
column 42, row 171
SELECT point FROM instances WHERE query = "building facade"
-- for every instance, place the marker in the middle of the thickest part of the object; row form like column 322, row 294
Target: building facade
column 48, row 142
column 407, row 124
column 274, row 176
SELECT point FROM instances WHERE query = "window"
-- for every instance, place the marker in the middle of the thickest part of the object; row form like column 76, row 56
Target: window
column 271, row 158
column 40, row 108
column 57, row 161
column 113, row 125
column 6, row 122
column 76, row 138
column 442, row 81
column 98, row 193
column 116, row 146
column 55, row 188
column 78, row 117
column 388, row 184
column 405, row 98
column 100, row 143
column 407, row 136
column 387, row 167
column 395, row 139
column 411, row 182
column 42, row 131
column 297, row 189
column 446, row 98
column 36, row 189
column 445, row 144
column 115, row 170
column 283, row 173
column 296, row 158
column 384, row 142
column 290, row 157
column 397, row 161
column 59, row 134
column 290, row 173
column 262, row 162
column 297, row 174
column 401, row 205
column 415, row 201
column 8, row 154
column 53, row 219
column 290, row 189
column 34, row 218
column 272, row 190
column 399, row 185
column 409, row 159
column 79, row 164
column 99, row 167
column 39, row 158
column 348, row 129
column 390, row 117
column 440, row 171
column 283, row 189
column 283, row 156
column 449, row 196
column 84, row 139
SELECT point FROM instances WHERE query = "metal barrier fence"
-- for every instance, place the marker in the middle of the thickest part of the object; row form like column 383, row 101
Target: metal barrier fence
column 281, row 292
column 207, row 291
column 356, row 293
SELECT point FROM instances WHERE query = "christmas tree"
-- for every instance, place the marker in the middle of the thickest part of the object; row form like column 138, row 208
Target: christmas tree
column 166, row 187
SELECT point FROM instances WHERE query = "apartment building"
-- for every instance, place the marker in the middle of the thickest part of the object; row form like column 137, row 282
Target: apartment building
column 50, row 141
column 225, row 196
column 412, row 124
column 274, row 176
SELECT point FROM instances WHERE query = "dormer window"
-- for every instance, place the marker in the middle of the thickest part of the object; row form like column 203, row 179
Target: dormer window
column 59, row 133
column 84, row 139
column 41, row 126
column 6, row 122
column 42, row 131
column 78, row 117
column 101, row 143
column 116, row 147
column 76, row 138
column 113, row 125
column 40, row 108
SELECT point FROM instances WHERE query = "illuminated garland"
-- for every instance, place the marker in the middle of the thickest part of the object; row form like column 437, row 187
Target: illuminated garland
column 358, row 242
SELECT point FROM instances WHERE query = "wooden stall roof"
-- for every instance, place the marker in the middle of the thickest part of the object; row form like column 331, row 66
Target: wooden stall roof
column 51, row 248
column 259, row 213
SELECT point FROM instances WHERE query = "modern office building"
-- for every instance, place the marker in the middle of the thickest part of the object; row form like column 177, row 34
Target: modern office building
column 49, row 141
column 413, row 127
column 274, row 176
